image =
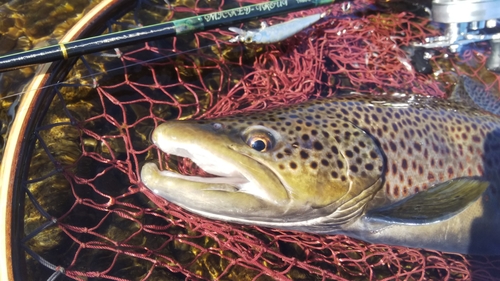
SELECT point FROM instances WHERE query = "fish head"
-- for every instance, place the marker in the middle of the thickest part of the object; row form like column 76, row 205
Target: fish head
column 245, row 36
column 279, row 168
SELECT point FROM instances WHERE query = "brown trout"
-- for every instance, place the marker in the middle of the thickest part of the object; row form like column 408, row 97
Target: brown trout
column 410, row 170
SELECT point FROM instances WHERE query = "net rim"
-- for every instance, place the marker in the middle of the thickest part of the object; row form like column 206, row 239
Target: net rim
column 20, row 125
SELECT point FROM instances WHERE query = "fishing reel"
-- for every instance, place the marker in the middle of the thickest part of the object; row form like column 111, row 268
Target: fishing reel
column 463, row 22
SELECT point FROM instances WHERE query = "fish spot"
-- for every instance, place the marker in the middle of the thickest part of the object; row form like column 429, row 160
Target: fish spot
column 343, row 178
column 334, row 174
column 395, row 127
column 325, row 162
column 329, row 155
column 417, row 146
column 450, row 171
column 314, row 164
column 349, row 153
column 279, row 155
column 405, row 191
column 369, row 167
column 335, row 150
column 298, row 128
column 314, row 132
column 325, row 134
column 340, row 164
column 404, row 164
column 281, row 166
column 373, row 154
column 287, row 151
column 356, row 149
column 394, row 168
column 305, row 137
column 304, row 154
column 293, row 165
column 393, row 146
column 430, row 176
column 354, row 168
column 396, row 190
column 317, row 145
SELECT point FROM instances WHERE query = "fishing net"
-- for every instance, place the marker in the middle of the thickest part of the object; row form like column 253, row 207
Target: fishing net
column 86, row 214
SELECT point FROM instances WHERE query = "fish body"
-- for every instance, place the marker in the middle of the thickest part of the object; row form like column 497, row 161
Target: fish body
column 411, row 171
column 275, row 33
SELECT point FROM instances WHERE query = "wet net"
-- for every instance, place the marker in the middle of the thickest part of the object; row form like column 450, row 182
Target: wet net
column 87, row 216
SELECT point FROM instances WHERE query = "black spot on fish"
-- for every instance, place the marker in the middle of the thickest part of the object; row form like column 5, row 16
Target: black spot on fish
column 353, row 168
column 349, row 153
column 317, row 145
column 335, row 150
column 304, row 154
column 393, row 146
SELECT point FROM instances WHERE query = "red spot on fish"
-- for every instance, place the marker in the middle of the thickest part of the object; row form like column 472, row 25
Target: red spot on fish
column 396, row 191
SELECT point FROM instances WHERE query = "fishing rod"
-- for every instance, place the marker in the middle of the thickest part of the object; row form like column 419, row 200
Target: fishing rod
column 93, row 75
column 63, row 51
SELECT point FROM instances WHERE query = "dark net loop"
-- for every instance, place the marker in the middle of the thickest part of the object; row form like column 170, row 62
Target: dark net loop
column 110, row 227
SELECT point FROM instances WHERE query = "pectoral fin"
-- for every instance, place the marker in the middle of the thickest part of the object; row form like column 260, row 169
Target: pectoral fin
column 435, row 204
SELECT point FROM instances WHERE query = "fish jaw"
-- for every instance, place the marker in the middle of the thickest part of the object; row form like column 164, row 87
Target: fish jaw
column 234, row 194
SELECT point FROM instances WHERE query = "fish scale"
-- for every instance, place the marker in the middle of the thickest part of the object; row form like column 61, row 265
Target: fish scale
column 425, row 142
column 384, row 169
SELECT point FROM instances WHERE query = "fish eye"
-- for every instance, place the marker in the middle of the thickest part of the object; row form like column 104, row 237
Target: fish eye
column 260, row 138
column 259, row 144
column 248, row 39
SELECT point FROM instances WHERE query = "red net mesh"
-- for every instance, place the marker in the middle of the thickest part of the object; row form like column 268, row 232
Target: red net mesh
column 108, row 226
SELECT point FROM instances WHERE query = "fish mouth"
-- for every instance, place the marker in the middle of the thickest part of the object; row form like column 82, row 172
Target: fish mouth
column 220, row 177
